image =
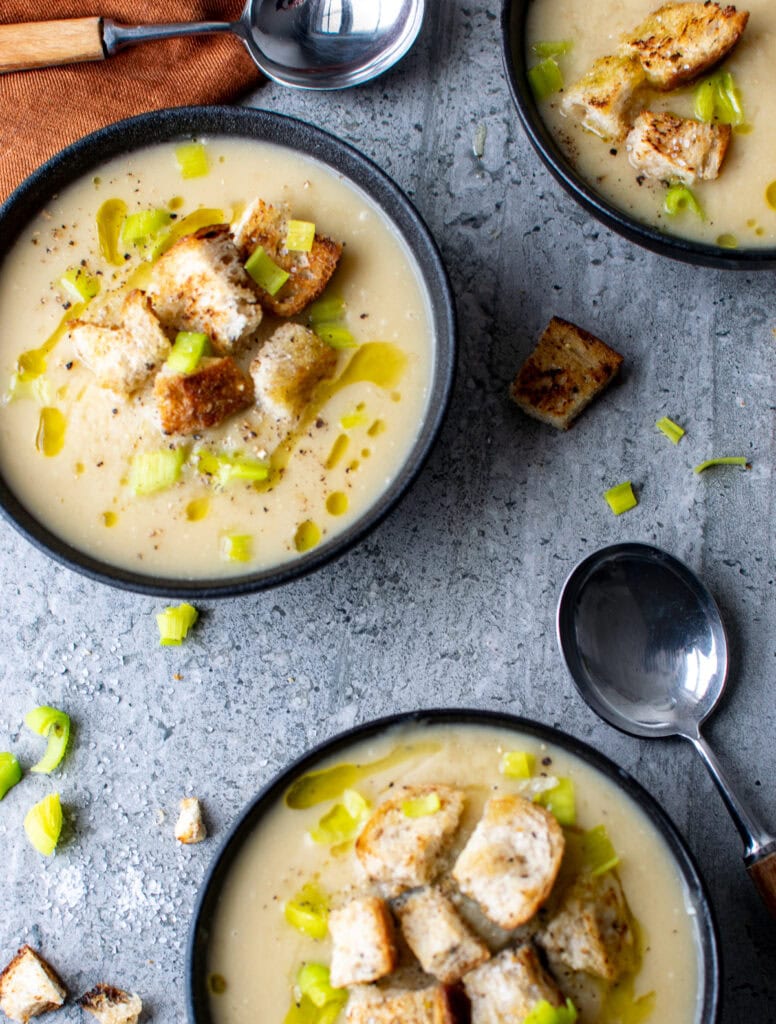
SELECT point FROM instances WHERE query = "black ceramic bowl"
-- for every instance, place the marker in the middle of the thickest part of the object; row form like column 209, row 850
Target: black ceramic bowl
column 707, row 942
column 513, row 18
column 83, row 156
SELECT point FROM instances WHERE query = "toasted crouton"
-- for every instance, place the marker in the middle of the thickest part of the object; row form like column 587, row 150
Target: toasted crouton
column 668, row 148
column 190, row 402
column 287, row 369
column 592, row 928
column 603, row 99
column 190, row 828
column 370, row 1005
column 123, row 357
column 511, row 861
column 362, row 942
column 445, row 946
column 680, row 41
column 506, row 989
column 30, row 986
column 266, row 226
column 112, row 1005
column 563, row 374
column 200, row 284
column 399, row 852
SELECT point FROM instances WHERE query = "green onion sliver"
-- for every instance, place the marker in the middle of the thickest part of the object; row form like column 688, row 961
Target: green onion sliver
column 10, row 772
column 313, row 981
column 144, row 226
column 343, row 821
column 237, row 547
column 728, row 460
column 679, row 199
column 174, row 624
column 55, row 726
column 545, row 1013
column 189, row 348
column 110, row 217
column 421, row 806
column 156, row 471
column 308, row 911
column 335, row 335
column 80, row 285
column 192, row 160
column 265, row 272
column 599, row 853
column 545, row 79
column 717, row 98
column 224, row 468
column 621, row 498
column 43, row 824
column 672, row 430
column 560, row 801
column 330, row 309
column 300, row 235
column 517, row 764
column 548, row 49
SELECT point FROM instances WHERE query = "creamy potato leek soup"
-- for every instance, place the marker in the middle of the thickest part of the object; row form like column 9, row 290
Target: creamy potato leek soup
column 160, row 412
column 615, row 130
column 385, row 872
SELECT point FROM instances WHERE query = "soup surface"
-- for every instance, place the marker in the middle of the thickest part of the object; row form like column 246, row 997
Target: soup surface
column 255, row 954
column 739, row 207
column 67, row 444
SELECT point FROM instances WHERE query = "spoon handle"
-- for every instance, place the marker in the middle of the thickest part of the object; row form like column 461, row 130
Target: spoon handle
column 41, row 44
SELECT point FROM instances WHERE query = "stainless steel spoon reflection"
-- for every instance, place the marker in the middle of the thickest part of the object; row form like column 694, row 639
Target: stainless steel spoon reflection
column 645, row 645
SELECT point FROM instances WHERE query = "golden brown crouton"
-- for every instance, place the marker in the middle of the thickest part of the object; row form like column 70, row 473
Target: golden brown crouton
column 563, row 374
column 370, row 1005
column 603, row 99
column 190, row 828
column 511, row 861
column 123, row 356
column 669, row 148
column 445, row 946
column 200, row 284
column 287, row 369
column 264, row 225
column 592, row 928
column 680, row 41
column 400, row 852
column 362, row 942
column 112, row 1005
column 506, row 989
column 190, row 402
column 30, row 986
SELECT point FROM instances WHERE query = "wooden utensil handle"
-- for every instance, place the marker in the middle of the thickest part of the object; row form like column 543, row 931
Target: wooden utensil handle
column 39, row 44
column 763, row 874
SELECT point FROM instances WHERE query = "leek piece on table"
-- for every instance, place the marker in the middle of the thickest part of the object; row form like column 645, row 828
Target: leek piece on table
column 265, row 272
column 330, row 309
column 560, row 801
column 548, row 49
column 343, row 821
column 335, row 335
column 10, row 772
column 80, row 285
column 672, row 430
column 144, row 226
column 621, row 498
column 189, row 348
column 545, row 78
column 678, row 199
column 728, row 460
column 599, row 853
column 43, row 824
column 237, row 547
column 421, row 806
column 192, row 160
column 155, row 471
column 545, row 1013
column 110, row 217
column 517, row 764
column 55, row 726
column 300, row 235
column 174, row 624
column 308, row 911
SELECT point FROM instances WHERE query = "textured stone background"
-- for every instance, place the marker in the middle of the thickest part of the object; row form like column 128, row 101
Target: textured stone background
column 451, row 602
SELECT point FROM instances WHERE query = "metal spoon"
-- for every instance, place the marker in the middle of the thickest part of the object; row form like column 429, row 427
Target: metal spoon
column 645, row 645
column 309, row 44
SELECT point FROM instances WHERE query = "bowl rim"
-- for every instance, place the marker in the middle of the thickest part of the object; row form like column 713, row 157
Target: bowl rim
column 513, row 15
column 707, row 932
column 343, row 159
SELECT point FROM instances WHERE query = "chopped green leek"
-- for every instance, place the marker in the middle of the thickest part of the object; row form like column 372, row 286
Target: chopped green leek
column 144, row 227
column 517, row 764
column 679, row 199
column 672, row 430
column 335, row 335
column 156, row 471
column 545, row 1013
column 110, row 217
column 343, row 821
column 224, row 468
column 10, row 772
column 265, row 272
column 300, row 235
column 313, row 980
column 545, row 79
column 421, row 806
column 192, row 160
column 560, row 801
column 717, row 98
column 330, row 309
column 174, row 624
column 189, row 348
column 545, row 49
column 43, row 824
column 308, row 911
column 728, row 460
column 55, row 726
column 80, row 285
column 237, row 547
column 599, row 853
column 621, row 498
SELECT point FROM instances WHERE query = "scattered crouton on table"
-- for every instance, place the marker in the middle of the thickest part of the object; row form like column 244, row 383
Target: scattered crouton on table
column 671, row 148
column 30, row 986
column 362, row 942
column 190, row 402
column 443, row 943
column 190, row 828
column 507, row 988
column 112, row 1005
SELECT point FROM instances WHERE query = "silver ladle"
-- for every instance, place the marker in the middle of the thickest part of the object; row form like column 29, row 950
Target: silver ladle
column 309, row 44
column 645, row 645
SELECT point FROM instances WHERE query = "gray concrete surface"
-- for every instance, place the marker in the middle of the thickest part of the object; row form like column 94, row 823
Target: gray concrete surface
column 450, row 602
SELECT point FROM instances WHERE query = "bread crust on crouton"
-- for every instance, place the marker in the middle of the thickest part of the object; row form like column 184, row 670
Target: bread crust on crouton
column 667, row 147
column 511, row 860
column 266, row 226
column 443, row 943
column 112, row 1005
column 190, row 402
column 287, row 369
column 29, row 986
column 603, row 99
column 680, row 41
column 200, row 284
column 398, row 852
column 190, row 827
column 363, row 949
column 370, row 1005
column 592, row 928
column 506, row 989
column 563, row 374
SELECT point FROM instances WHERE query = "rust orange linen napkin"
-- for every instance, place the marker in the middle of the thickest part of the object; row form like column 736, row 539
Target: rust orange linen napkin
column 43, row 110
